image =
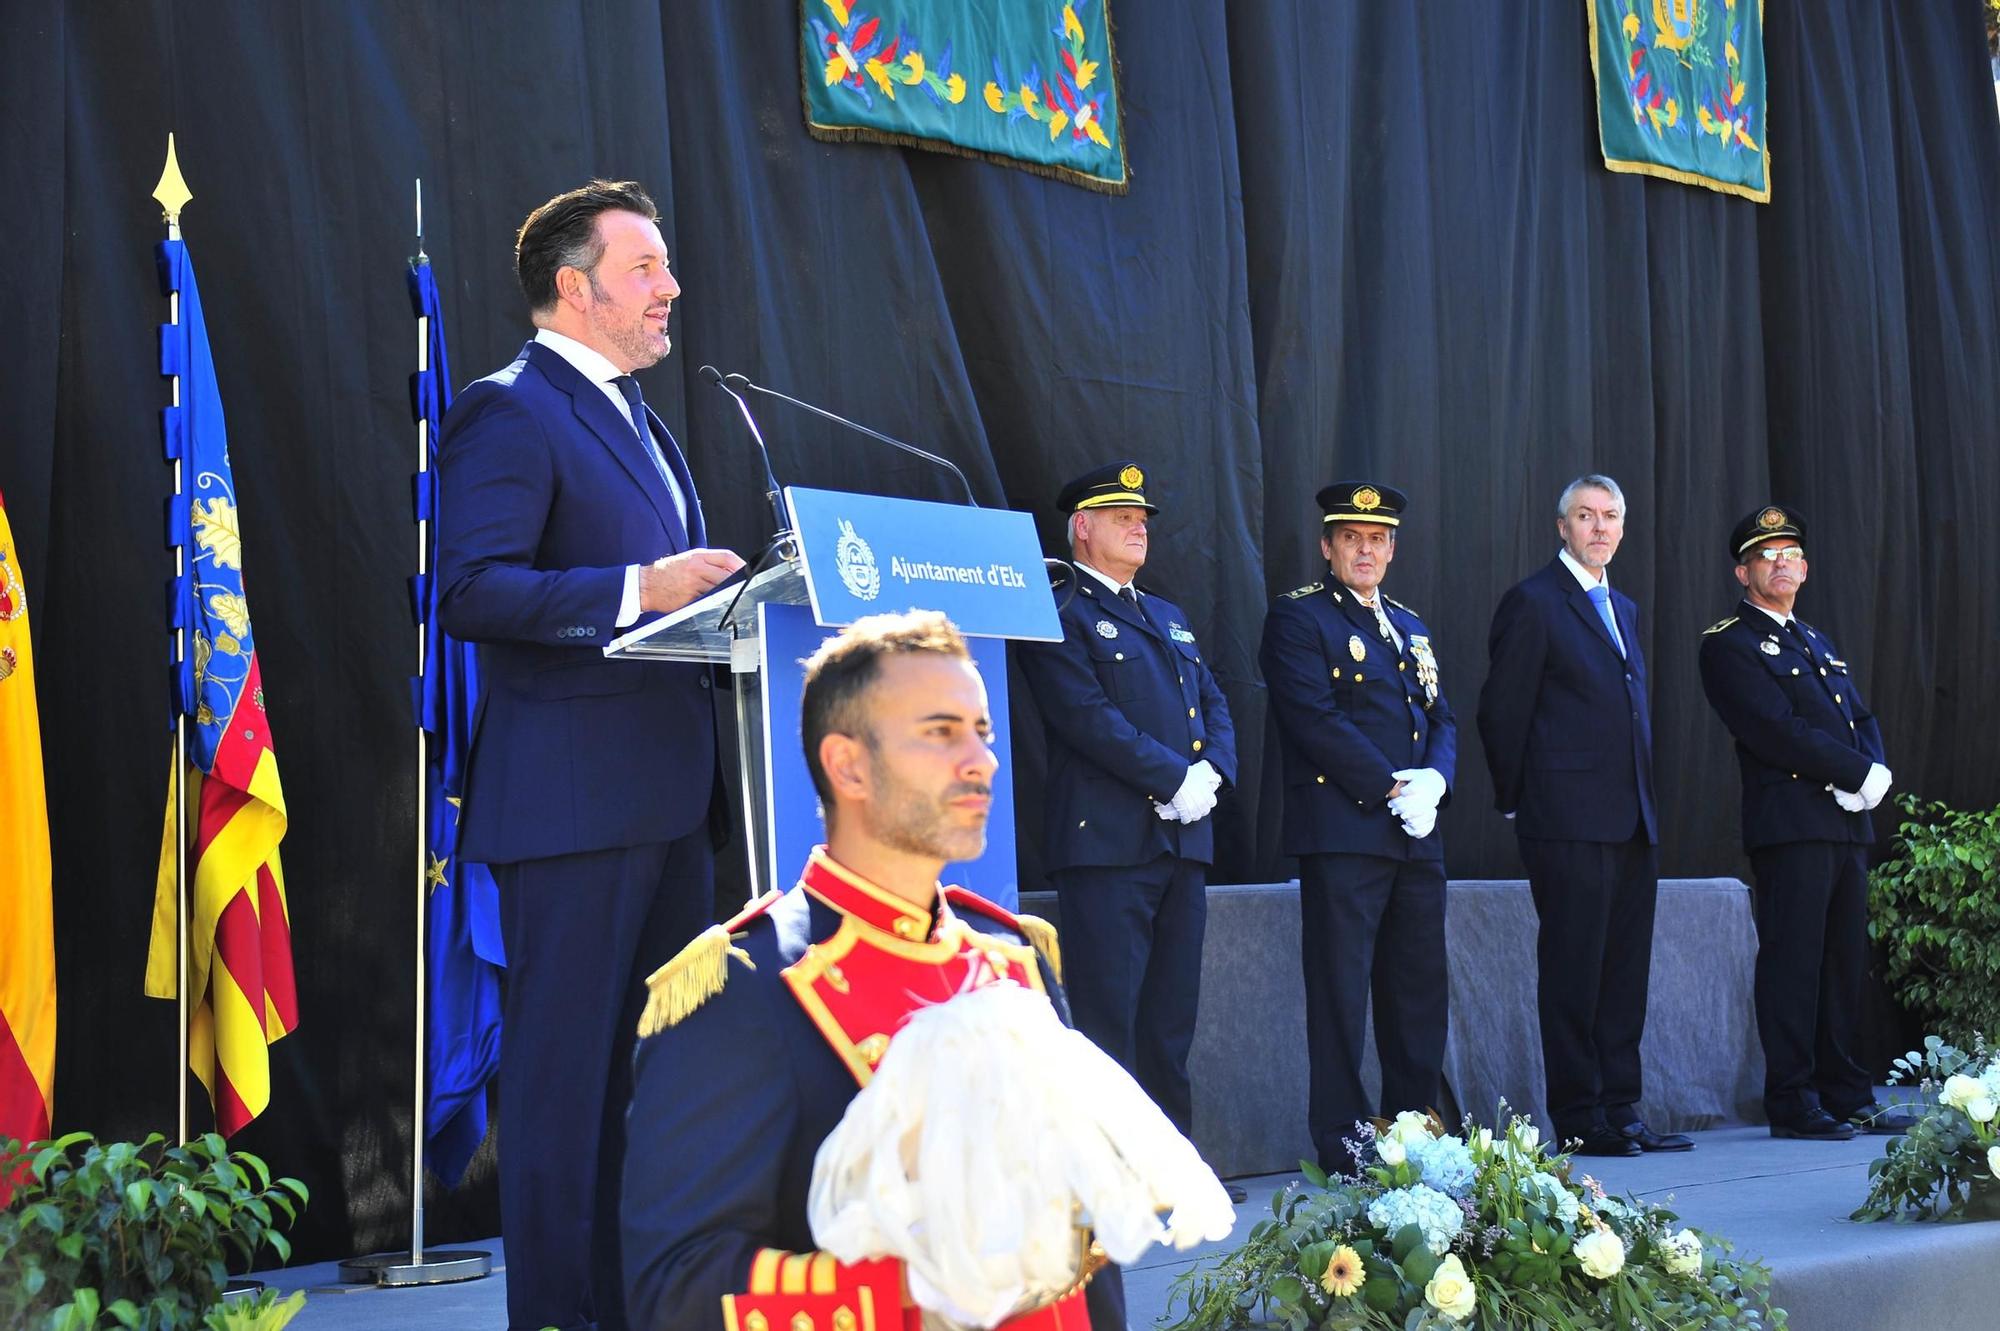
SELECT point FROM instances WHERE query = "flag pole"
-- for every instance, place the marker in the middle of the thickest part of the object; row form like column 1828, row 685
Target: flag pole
column 439, row 1268
column 173, row 195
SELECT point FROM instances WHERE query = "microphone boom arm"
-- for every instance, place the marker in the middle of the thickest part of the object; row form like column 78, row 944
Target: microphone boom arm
column 738, row 380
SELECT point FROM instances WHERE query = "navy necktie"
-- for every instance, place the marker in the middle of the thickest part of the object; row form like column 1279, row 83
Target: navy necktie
column 1600, row 596
column 635, row 406
column 1128, row 596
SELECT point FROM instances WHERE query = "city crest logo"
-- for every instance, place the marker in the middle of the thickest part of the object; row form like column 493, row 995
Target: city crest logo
column 855, row 563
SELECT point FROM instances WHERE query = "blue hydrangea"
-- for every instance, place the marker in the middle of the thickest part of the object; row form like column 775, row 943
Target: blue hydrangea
column 1435, row 1215
column 1554, row 1197
column 1445, row 1164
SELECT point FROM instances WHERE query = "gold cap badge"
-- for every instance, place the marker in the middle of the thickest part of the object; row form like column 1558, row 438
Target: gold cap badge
column 1771, row 518
column 1131, row 478
column 1367, row 498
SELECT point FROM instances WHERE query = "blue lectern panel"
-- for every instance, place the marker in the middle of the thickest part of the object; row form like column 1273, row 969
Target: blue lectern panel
column 865, row 554
column 789, row 637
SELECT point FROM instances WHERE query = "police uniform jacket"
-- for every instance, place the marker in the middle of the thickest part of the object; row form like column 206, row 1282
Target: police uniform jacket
column 1128, row 704
column 1801, row 728
column 1352, row 709
column 731, row 1102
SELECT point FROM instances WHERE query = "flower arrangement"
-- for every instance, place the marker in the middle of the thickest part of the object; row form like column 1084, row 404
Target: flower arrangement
column 1949, row 1160
column 1476, row 1231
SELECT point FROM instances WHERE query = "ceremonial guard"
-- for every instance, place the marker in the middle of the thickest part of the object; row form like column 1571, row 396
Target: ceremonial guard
column 1810, row 755
column 758, row 1034
column 1139, row 747
column 1370, row 749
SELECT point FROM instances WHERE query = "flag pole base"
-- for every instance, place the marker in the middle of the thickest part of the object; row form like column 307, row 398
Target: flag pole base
column 440, row 1267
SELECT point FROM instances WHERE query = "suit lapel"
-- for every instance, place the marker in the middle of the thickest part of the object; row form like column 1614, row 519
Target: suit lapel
column 670, row 449
column 1113, row 605
column 1579, row 601
column 614, row 430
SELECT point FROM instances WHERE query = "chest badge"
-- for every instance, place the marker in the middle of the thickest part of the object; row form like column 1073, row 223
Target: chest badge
column 1357, row 648
column 1179, row 634
column 1769, row 647
column 1106, row 629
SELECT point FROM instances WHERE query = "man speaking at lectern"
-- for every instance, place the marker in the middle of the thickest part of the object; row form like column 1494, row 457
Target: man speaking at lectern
column 568, row 514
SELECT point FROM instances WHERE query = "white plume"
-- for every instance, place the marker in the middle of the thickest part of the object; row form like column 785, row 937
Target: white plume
column 989, row 1131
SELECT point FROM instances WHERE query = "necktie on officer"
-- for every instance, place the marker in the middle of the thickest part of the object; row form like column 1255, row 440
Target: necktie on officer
column 1600, row 596
column 1129, row 596
column 1799, row 635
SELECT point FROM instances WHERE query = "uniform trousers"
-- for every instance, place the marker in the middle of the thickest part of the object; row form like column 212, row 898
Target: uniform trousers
column 582, row 932
column 1132, row 966
column 1369, row 920
column 1595, row 901
column 1812, row 952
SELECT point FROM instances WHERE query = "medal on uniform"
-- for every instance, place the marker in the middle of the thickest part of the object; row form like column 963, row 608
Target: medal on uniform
column 1427, row 666
column 1106, row 629
column 1769, row 646
column 1357, row 648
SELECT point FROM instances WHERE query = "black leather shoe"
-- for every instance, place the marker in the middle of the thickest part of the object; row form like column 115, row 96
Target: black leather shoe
column 1814, row 1125
column 1607, row 1141
column 1878, row 1120
column 1650, row 1140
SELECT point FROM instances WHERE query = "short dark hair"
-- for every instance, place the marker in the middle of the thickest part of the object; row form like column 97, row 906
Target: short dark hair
column 562, row 233
column 840, row 673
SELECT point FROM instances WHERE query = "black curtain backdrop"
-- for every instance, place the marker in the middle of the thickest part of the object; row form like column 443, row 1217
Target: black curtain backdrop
column 1362, row 239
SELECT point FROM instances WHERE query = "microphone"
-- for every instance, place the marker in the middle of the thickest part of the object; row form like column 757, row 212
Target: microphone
column 737, row 381
column 774, row 494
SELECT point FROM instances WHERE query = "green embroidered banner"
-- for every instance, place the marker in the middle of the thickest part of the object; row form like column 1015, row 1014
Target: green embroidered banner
column 1029, row 83
column 1680, row 91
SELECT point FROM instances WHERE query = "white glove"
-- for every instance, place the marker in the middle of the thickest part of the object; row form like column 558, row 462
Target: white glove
column 1419, row 820
column 1168, row 813
column 1422, row 785
column 1877, row 784
column 1195, row 800
column 1849, row 801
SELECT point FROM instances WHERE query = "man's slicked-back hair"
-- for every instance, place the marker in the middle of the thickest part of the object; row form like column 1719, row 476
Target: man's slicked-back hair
column 840, row 673
column 562, row 233
column 1589, row 481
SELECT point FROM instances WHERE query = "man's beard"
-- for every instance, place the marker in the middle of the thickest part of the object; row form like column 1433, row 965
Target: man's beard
column 905, row 819
column 632, row 340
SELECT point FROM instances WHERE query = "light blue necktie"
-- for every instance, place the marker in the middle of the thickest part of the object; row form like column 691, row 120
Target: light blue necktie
column 1600, row 596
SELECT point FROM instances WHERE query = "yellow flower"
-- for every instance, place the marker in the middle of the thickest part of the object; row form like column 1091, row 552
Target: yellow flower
column 1737, row 91
column 913, row 68
column 996, row 100
column 1071, row 28
column 1673, row 111
column 232, row 610
column 1704, row 119
column 838, row 8
column 1729, row 52
column 839, row 67
column 1088, row 124
column 1086, row 70
column 227, row 645
column 1344, row 1273
column 954, row 89
column 1057, row 123
column 880, row 73
column 1631, row 26
column 1028, row 100
column 216, row 532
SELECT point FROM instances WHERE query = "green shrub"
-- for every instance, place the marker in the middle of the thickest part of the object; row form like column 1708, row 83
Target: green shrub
column 119, row 1234
column 1935, row 909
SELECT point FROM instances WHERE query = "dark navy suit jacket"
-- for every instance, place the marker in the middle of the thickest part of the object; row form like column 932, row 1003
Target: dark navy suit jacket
column 1565, row 722
column 1129, row 705
column 1345, row 725
column 1800, row 726
column 548, row 496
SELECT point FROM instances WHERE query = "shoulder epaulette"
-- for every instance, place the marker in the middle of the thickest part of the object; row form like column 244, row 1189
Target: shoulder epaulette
column 1041, row 935
column 1718, row 627
column 698, row 971
column 1399, row 605
column 1297, row 592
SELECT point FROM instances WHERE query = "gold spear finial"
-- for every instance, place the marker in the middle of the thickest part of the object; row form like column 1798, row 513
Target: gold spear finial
column 172, row 191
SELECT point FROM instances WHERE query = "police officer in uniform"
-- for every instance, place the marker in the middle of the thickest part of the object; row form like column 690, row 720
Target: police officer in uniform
column 1811, row 760
column 1370, row 748
column 1139, row 747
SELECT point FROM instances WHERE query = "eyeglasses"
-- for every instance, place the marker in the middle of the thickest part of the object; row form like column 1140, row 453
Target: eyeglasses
column 1773, row 553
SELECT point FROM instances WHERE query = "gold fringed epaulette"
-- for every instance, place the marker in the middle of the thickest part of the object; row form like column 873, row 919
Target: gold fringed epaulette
column 1717, row 628
column 695, row 975
column 1306, row 590
column 1041, row 935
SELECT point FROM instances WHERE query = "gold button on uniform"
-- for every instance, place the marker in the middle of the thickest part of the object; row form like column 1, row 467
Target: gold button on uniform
column 1197, row 746
column 1320, row 779
column 1357, row 677
column 1190, row 711
column 1120, row 656
column 1402, row 665
column 906, row 927
column 1795, row 670
column 1413, row 734
column 1836, row 697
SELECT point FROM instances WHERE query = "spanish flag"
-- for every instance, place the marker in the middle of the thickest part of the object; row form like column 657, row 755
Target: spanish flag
column 240, row 944
column 27, row 930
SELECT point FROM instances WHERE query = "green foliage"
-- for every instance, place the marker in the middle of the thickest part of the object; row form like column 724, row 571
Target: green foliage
column 1935, row 909
column 137, row 1235
column 1949, row 1162
column 1512, row 1265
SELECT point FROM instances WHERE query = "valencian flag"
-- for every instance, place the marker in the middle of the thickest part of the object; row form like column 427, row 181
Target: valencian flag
column 27, row 933
column 463, row 953
column 240, row 951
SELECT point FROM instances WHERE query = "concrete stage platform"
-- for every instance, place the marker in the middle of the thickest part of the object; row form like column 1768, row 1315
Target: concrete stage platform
column 1783, row 1201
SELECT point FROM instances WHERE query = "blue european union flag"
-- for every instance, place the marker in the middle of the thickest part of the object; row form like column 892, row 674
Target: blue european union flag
column 463, row 953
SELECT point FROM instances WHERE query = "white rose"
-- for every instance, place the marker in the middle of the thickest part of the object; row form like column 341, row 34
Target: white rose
column 1482, row 1141
column 1450, row 1290
column 1601, row 1252
column 1392, row 1151
column 1993, row 1160
column 1681, row 1253
column 1960, row 1091
column 1411, row 1127
column 1981, row 1108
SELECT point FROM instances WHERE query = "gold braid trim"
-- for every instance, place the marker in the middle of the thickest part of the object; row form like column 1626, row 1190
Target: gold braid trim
column 1042, row 936
column 1717, row 628
column 695, row 975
